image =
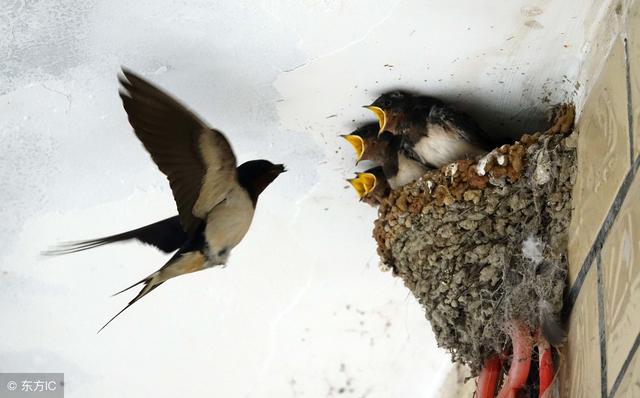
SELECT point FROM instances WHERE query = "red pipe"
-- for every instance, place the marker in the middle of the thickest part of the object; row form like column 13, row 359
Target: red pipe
column 522, row 344
column 545, row 364
column 488, row 378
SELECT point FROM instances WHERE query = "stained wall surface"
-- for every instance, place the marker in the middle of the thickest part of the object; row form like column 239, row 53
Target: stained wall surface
column 601, row 358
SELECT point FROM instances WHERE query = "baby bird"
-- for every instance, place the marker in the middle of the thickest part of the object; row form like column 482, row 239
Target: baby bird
column 371, row 185
column 386, row 150
column 432, row 131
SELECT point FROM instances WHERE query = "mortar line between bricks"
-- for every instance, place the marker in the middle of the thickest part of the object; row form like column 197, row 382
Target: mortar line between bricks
column 625, row 366
column 602, row 327
column 629, row 100
column 612, row 214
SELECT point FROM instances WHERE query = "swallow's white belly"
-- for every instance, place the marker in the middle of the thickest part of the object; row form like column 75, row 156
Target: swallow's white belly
column 227, row 224
column 442, row 147
column 408, row 171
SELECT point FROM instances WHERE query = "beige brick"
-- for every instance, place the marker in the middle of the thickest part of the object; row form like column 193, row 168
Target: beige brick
column 580, row 359
column 630, row 385
column 634, row 63
column 621, row 271
column 603, row 156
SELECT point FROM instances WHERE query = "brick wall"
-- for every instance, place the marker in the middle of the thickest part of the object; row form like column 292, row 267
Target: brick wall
column 600, row 358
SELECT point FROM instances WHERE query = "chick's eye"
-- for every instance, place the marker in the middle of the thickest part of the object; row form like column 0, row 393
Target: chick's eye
column 386, row 103
column 222, row 252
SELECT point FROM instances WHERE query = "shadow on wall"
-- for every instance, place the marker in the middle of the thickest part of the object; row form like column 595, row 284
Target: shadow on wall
column 502, row 123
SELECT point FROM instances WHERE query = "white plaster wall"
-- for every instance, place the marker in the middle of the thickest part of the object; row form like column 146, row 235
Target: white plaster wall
column 302, row 309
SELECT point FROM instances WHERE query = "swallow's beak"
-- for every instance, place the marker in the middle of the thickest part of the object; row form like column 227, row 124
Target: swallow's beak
column 279, row 168
column 368, row 181
column 358, row 186
column 382, row 117
column 357, row 143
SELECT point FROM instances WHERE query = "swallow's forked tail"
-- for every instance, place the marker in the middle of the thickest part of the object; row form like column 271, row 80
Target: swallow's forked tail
column 181, row 263
column 151, row 282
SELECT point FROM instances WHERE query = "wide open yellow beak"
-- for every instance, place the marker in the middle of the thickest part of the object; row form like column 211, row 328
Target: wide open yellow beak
column 356, row 183
column 357, row 143
column 368, row 181
column 382, row 117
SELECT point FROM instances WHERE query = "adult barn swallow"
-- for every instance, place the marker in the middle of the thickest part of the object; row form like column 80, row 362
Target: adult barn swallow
column 371, row 185
column 215, row 198
column 385, row 149
column 433, row 131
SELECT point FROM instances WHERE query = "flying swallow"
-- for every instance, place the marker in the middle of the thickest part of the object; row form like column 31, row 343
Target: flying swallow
column 433, row 131
column 215, row 198
column 387, row 150
column 371, row 185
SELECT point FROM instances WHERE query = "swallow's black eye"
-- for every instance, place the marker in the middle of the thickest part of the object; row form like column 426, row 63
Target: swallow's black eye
column 387, row 103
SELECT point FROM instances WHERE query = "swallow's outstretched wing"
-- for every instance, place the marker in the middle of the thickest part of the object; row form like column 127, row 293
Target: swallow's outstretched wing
column 197, row 160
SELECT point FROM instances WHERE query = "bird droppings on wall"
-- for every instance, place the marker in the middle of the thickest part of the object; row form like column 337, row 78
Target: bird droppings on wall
column 462, row 239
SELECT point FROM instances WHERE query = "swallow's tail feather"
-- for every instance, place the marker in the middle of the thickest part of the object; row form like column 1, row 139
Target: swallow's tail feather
column 151, row 282
column 167, row 235
column 181, row 263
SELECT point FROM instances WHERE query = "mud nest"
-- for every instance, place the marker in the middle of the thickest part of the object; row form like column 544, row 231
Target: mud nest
column 483, row 242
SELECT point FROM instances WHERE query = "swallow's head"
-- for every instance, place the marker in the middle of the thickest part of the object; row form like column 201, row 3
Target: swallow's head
column 256, row 175
column 277, row 169
column 389, row 109
column 357, row 143
column 367, row 144
column 356, row 183
column 374, row 182
column 371, row 186
column 369, row 182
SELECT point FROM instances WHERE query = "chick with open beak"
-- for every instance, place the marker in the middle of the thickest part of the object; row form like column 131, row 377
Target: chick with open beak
column 371, row 186
column 432, row 131
column 387, row 151
column 391, row 110
column 368, row 144
column 357, row 142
